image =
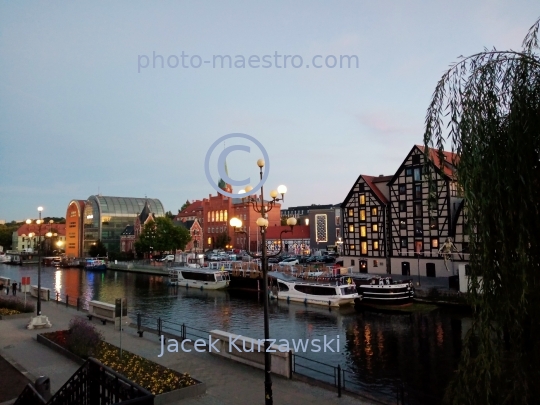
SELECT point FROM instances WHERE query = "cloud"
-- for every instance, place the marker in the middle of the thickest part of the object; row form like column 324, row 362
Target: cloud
column 387, row 123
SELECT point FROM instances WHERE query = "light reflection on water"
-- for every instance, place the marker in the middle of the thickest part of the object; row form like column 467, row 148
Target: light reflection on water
column 420, row 349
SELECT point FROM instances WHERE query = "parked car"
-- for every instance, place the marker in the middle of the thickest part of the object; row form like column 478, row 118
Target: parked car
column 291, row 261
column 328, row 259
column 167, row 258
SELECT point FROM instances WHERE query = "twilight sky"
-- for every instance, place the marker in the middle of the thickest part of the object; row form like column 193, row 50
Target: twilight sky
column 81, row 114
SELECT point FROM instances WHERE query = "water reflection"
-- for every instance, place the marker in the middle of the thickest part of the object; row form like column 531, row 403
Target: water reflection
column 379, row 349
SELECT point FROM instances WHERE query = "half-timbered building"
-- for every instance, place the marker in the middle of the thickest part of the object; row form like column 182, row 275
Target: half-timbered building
column 365, row 217
column 399, row 224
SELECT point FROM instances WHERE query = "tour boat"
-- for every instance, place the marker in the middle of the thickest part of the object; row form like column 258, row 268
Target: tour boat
column 203, row 279
column 374, row 289
column 95, row 264
column 332, row 295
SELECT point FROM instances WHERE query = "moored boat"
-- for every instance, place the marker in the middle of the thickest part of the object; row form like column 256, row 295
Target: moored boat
column 204, row 279
column 290, row 288
column 95, row 264
column 374, row 289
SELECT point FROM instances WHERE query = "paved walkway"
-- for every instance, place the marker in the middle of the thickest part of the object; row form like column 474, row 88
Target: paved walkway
column 227, row 382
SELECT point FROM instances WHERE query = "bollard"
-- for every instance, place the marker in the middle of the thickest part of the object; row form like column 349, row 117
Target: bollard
column 67, row 300
column 57, row 296
column 139, row 325
column 339, row 381
column 159, row 327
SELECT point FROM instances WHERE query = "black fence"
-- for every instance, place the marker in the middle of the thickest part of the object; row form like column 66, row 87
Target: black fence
column 92, row 384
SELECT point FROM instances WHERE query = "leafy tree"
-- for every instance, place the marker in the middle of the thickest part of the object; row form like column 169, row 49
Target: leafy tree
column 6, row 234
column 170, row 215
column 97, row 250
column 162, row 235
column 186, row 204
column 492, row 104
column 222, row 240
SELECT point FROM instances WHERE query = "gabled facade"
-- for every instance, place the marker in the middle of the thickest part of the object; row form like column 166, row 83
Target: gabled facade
column 365, row 223
column 195, row 245
column 398, row 224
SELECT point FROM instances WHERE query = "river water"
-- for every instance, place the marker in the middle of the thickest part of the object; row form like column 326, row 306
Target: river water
column 378, row 350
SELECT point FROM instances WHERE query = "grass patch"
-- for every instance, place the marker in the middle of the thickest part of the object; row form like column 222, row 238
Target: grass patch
column 155, row 378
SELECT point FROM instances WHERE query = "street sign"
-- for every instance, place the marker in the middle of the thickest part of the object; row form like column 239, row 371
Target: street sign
column 25, row 284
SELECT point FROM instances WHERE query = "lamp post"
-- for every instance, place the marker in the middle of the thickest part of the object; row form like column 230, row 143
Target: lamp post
column 39, row 222
column 339, row 242
column 262, row 222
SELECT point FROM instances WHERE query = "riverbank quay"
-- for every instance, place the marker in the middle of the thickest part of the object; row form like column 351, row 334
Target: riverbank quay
column 158, row 269
column 227, row 382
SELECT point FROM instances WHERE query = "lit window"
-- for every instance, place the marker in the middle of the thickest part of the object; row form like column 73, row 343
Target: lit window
column 351, row 228
column 435, row 243
column 364, row 248
column 375, row 245
column 375, row 228
column 220, row 216
column 362, row 199
column 374, row 211
column 402, row 224
column 362, row 215
column 351, row 212
column 351, row 247
column 213, row 217
column 225, row 215
column 209, row 241
column 363, row 230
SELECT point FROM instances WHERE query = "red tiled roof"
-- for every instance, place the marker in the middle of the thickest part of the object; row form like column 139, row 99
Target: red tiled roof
column 299, row 232
column 191, row 210
column 369, row 181
column 450, row 160
column 25, row 229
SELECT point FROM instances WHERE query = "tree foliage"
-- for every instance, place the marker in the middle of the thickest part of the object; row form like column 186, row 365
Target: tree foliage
column 490, row 103
column 222, row 240
column 97, row 250
column 162, row 235
column 186, row 204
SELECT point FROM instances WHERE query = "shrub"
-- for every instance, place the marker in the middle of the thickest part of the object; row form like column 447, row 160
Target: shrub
column 15, row 304
column 83, row 338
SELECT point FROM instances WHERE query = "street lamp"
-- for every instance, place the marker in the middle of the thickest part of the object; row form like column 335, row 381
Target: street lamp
column 38, row 320
column 339, row 242
column 262, row 222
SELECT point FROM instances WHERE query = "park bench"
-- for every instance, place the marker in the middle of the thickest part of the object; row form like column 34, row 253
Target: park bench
column 45, row 292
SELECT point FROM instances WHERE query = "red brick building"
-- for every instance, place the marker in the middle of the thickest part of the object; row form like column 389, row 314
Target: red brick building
column 196, row 232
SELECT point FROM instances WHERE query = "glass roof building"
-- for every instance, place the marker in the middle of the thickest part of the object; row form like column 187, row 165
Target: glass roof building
column 105, row 218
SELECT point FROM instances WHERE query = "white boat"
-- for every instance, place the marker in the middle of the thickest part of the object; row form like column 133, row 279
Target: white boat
column 5, row 258
column 331, row 295
column 203, row 279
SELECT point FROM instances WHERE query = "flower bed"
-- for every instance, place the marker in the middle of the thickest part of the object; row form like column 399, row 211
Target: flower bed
column 6, row 312
column 154, row 377
column 15, row 304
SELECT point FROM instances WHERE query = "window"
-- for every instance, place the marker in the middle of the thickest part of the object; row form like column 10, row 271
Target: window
column 351, row 247
column 351, row 228
column 418, row 231
column 402, row 206
column 220, row 216
column 433, row 223
column 408, row 172
column 208, row 216
column 362, row 215
column 351, row 212
column 320, row 228
column 338, row 233
column 403, row 242
column 417, row 174
column 418, row 246
column 361, row 187
column 362, row 199
column 363, row 231
column 402, row 189
column 352, row 262
column 417, row 192
column 402, row 224
column 225, row 215
column 416, row 159
column 364, row 248
column 435, row 243
column 209, row 241
column 375, row 245
column 374, row 211
column 375, row 228
column 417, row 209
